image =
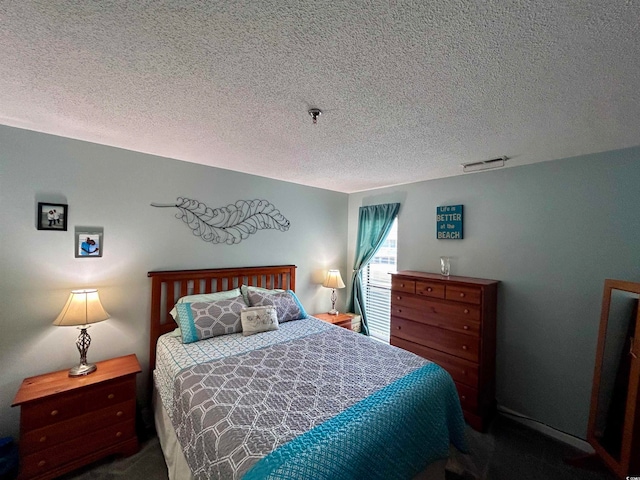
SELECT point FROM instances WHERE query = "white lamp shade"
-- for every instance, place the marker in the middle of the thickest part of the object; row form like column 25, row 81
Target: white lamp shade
column 82, row 307
column 333, row 280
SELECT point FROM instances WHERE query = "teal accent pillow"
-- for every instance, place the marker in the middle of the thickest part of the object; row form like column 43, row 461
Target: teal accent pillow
column 287, row 304
column 201, row 320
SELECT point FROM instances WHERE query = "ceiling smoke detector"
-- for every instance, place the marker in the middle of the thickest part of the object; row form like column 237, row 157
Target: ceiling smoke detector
column 315, row 113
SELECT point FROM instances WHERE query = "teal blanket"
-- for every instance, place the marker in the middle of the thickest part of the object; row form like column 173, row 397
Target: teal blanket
column 392, row 434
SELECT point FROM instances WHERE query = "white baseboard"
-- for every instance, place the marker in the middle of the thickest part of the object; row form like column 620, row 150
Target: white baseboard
column 547, row 430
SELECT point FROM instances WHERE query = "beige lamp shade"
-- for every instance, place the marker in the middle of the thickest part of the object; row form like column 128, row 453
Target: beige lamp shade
column 333, row 280
column 82, row 307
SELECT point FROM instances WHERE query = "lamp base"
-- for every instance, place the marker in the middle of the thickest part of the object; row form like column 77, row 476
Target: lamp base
column 333, row 311
column 82, row 369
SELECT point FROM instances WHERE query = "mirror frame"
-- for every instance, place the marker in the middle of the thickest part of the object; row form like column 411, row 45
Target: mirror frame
column 631, row 430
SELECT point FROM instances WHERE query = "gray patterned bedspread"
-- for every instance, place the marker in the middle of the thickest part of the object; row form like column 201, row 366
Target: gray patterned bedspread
column 232, row 412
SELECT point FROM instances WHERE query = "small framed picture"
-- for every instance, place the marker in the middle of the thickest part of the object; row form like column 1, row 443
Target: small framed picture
column 52, row 216
column 88, row 244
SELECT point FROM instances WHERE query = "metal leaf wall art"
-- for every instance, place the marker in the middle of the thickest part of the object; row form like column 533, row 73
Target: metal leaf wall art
column 230, row 224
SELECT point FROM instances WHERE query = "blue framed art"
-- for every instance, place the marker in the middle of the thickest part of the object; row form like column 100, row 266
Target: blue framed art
column 449, row 222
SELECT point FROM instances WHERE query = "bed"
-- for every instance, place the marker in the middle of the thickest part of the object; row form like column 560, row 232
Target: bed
column 308, row 400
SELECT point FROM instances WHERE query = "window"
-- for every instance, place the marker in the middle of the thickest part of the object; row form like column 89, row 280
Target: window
column 377, row 286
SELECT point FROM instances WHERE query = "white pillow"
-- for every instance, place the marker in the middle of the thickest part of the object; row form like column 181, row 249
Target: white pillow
column 258, row 319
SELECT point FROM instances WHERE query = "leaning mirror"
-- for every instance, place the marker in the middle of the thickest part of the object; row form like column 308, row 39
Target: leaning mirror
column 614, row 420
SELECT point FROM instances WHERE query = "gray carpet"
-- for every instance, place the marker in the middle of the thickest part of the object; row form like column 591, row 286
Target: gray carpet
column 508, row 451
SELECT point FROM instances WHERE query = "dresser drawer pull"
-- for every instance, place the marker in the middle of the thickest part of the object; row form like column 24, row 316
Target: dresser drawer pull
column 464, row 372
column 119, row 434
column 54, row 413
column 111, row 396
column 42, row 463
column 402, row 284
column 399, row 327
column 398, row 297
column 466, row 327
column 119, row 414
column 429, row 289
column 461, row 294
column 464, row 347
column 466, row 310
column 463, row 397
column 43, row 439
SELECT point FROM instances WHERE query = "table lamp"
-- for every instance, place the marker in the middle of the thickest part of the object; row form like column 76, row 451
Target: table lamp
column 333, row 281
column 82, row 308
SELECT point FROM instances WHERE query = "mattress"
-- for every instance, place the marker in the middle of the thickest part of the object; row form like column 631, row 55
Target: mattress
column 309, row 400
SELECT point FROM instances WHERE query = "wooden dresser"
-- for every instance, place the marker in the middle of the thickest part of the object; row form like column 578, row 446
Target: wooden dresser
column 452, row 322
column 67, row 422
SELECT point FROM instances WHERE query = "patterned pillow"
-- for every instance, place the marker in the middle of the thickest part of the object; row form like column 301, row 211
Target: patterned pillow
column 245, row 289
column 258, row 319
column 286, row 303
column 206, row 297
column 202, row 320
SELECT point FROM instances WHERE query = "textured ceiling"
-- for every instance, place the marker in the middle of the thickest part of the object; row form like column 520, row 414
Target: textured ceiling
column 409, row 89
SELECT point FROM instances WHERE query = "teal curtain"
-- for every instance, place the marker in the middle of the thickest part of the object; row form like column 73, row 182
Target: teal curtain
column 374, row 224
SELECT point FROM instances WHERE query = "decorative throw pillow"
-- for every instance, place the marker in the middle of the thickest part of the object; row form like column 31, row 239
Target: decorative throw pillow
column 206, row 297
column 201, row 320
column 286, row 303
column 246, row 288
column 258, row 319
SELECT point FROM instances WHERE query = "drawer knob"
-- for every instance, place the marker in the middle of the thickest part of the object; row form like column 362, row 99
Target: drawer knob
column 464, row 372
column 461, row 294
column 119, row 414
column 399, row 310
column 463, row 397
column 466, row 327
column 464, row 347
column 402, row 284
column 43, row 439
column 399, row 298
column 111, row 396
column 429, row 289
column 42, row 463
column 118, row 434
column 466, row 310
column 54, row 413
column 399, row 327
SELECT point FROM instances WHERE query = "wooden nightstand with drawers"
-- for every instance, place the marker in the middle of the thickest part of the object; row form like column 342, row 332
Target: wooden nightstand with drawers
column 67, row 422
column 350, row 321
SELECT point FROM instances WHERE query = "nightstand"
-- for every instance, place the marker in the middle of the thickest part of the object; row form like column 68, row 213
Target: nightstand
column 67, row 422
column 344, row 320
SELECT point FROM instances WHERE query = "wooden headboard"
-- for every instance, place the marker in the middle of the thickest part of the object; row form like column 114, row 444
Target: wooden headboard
column 169, row 286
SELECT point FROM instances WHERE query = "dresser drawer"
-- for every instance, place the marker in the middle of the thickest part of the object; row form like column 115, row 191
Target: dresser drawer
column 42, row 438
column 460, row 345
column 45, row 460
column 461, row 370
column 468, row 397
column 402, row 285
column 452, row 316
column 430, row 289
column 459, row 293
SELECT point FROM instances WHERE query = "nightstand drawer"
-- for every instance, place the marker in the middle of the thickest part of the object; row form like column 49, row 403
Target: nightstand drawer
column 110, row 393
column 51, row 410
column 62, row 453
column 36, row 440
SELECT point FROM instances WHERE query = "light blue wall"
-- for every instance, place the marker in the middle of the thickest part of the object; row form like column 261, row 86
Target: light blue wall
column 112, row 188
column 551, row 233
